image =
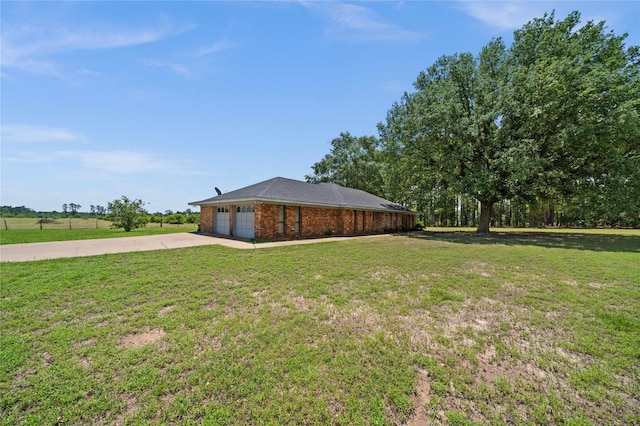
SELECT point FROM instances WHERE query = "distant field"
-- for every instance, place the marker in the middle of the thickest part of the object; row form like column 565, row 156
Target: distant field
column 22, row 224
column 27, row 230
column 444, row 328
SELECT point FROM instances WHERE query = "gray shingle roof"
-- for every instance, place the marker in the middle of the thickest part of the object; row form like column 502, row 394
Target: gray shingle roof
column 289, row 191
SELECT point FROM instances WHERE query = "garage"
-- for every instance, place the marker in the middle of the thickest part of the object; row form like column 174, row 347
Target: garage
column 243, row 222
column 221, row 221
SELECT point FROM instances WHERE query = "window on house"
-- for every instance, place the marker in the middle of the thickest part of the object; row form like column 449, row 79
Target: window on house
column 281, row 220
column 298, row 219
column 355, row 221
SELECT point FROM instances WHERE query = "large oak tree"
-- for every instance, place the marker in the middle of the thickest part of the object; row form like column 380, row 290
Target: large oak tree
column 556, row 109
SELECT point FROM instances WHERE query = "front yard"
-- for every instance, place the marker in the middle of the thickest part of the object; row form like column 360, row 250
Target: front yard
column 447, row 328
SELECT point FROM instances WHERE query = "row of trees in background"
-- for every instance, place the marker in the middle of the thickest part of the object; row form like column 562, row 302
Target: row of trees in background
column 544, row 132
column 100, row 212
column 68, row 210
column 71, row 209
column 455, row 210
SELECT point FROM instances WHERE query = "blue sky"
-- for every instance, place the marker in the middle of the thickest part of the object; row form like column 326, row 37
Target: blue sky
column 164, row 101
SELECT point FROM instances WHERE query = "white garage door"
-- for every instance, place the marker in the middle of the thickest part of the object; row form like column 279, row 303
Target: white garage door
column 221, row 221
column 243, row 222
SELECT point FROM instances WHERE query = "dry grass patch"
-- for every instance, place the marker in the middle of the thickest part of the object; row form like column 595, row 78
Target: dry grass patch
column 299, row 302
column 142, row 339
column 164, row 311
column 86, row 343
column 130, row 407
column 420, row 398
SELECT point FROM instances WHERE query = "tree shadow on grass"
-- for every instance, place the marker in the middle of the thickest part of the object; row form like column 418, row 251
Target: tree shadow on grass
column 574, row 240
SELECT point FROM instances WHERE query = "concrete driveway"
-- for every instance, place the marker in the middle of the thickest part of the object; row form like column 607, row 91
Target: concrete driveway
column 79, row 248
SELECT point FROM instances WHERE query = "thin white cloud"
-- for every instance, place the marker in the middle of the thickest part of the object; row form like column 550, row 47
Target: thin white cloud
column 116, row 162
column 29, row 133
column 216, row 47
column 27, row 157
column 357, row 23
column 192, row 62
column 504, row 15
column 31, row 49
column 512, row 15
column 175, row 68
column 17, row 137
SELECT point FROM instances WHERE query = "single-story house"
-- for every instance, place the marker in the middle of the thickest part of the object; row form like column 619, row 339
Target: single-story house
column 282, row 208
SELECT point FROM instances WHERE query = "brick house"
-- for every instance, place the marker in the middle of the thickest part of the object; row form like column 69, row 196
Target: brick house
column 282, row 208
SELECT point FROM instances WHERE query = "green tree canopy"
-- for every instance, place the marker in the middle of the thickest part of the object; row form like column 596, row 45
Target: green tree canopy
column 354, row 162
column 128, row 214
column 558, row 107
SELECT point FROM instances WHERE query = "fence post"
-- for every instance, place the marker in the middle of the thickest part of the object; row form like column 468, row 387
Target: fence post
column 6, row 227
column 69, row 223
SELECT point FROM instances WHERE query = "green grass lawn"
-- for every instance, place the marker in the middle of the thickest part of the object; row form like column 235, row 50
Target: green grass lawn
column 451, row 328
column 19, row 236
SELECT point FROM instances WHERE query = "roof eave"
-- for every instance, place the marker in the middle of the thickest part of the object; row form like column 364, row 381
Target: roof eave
column 298, row 203
column 213, row 202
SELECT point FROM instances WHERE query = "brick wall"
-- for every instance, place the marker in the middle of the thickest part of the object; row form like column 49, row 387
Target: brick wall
column 316, row 222
column 206, row 219
column 319, row 222
column 265, row 221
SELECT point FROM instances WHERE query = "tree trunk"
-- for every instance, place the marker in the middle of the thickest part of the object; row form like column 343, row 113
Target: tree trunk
column 473, row 214
column 485, row 217
column 550, row 216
